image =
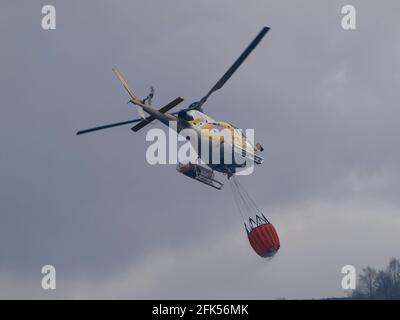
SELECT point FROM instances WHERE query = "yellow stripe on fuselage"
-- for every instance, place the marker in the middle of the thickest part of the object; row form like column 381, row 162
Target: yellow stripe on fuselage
column 213, row 131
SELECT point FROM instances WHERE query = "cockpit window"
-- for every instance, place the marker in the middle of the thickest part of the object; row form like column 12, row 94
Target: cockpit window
column 196, row 114
column 185, row 116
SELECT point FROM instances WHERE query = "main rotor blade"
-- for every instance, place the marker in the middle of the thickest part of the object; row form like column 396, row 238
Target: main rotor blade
column 108, row 126
column 236, row 64
column 145, row 121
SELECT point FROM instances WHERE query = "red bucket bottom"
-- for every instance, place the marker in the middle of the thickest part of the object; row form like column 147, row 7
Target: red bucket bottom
column 264, row 240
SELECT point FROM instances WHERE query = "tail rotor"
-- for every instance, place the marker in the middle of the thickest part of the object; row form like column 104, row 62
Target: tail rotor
column 149, row 97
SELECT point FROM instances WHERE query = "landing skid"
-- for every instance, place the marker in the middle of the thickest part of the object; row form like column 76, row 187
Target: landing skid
column 199, row 173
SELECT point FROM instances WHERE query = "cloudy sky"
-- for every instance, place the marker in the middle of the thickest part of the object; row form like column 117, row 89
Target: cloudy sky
column 323, row 101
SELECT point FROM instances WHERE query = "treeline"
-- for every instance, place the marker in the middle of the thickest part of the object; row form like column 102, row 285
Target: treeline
column 379, row 284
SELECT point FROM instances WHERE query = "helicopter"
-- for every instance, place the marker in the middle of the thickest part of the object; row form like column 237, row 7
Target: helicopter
column 193, row 117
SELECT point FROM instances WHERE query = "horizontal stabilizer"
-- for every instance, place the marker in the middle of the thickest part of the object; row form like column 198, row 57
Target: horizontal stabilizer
column 164, row 109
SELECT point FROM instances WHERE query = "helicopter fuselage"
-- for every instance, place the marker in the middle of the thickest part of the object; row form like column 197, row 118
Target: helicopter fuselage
column 234, row 149
column 218, row 137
